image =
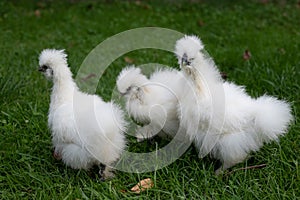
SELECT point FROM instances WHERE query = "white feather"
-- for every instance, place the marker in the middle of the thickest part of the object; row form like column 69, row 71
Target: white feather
column 221, row 118
column 153, row 101
column 86, row 131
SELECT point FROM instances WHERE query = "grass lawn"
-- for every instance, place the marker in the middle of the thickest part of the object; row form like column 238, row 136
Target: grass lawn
column 270, row 31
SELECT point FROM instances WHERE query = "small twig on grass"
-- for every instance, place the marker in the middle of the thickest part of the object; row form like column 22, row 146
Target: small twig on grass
column 245, row 168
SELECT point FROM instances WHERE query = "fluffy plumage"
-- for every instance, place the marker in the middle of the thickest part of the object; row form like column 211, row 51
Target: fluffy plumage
column 86, row 131
column 153, row 101
column 219, row 116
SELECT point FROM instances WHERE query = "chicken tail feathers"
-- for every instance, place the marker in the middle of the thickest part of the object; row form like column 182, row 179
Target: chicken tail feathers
column 272, row 117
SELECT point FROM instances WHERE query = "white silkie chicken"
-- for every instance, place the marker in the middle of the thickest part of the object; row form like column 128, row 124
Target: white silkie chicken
column 86, row 131
column 220, row 117
column 153, row 101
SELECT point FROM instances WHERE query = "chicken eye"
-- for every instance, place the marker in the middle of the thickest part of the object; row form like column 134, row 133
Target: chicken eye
column 44, row 67
column 128, row 89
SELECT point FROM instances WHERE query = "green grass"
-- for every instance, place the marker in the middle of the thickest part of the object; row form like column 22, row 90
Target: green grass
column 271, row 32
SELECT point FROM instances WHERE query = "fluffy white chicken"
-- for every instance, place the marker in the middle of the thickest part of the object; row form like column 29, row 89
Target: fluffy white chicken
column 86, row 131
column 153, row 101
column 220, row 117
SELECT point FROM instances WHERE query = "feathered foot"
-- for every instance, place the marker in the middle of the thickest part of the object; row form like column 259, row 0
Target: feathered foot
column 106, row 172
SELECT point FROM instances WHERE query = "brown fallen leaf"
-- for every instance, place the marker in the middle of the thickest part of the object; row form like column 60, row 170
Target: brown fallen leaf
column 37, row 13
column 247, row 55
column 142, row 185
column 128, row 60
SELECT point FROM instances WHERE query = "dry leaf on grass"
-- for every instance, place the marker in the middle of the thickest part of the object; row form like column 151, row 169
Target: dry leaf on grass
column 128, row 60
column 247, row 55
column 37, row 13
column 142, row 185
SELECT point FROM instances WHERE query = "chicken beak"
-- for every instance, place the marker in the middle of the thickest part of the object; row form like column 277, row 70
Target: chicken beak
column 184, row 60
column 185, row 64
